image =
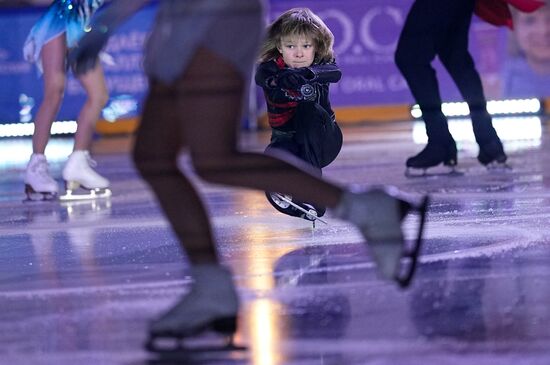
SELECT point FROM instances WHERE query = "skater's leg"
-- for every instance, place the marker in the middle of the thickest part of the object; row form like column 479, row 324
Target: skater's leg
column 158, row 143
column 458, row 61
column 212, row 302
column 211, row 85
column 53, row 63
column 95, row 86
column 317, row 134
column 78, row 170
column 415, row 51
column 37, row 177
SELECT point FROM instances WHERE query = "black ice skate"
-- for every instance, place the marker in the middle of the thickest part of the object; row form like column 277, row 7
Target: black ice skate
column 433, row 155
column 379, row 214
column 284, row 204
column 204, row 320
column 492, row 155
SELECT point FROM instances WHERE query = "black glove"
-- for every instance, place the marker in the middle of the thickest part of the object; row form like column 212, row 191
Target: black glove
column 293, row 78
column 84, row 56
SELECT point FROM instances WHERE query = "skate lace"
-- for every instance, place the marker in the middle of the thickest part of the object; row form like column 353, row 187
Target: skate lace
column 41, row 169
column 91, row 161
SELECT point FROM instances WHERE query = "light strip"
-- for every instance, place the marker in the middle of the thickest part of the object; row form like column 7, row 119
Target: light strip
column 494, row 107
column 27, row 129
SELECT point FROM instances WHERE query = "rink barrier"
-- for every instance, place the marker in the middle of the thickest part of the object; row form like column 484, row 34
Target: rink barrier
column 344, row 115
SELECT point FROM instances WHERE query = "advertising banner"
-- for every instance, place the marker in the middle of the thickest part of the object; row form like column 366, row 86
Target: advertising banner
column 512, row 64
column 21, row 84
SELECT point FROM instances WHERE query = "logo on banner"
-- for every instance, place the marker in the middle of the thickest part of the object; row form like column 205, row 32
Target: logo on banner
column 365, row 43
column 370, row 30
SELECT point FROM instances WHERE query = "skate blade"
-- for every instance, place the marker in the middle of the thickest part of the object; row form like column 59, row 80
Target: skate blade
column 281, row 203
column 70, row 195
column 498, row 167
column 35, row 196
column 309, row 216
column 227, row 355
column 412, row 172
column 187, row 346
column 409, row 260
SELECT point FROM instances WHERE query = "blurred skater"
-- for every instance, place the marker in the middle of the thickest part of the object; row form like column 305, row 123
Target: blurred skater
column 58, row 31
column 199, row 72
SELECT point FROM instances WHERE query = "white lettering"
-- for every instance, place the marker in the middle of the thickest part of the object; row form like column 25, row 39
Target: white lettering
column 362, row 84
column 365, row 28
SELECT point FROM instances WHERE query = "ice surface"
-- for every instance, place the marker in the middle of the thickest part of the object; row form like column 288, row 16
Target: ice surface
column 80, row 281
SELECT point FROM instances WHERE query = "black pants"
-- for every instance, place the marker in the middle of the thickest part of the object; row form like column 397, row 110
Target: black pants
column 440, row 28
column 313, row 137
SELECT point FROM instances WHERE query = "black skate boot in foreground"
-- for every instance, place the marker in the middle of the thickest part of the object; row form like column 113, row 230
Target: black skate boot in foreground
column 285, row 204
column 432, row 155
column 491, row 152
column 492, row 155
column 380, row 214
column 203, row 321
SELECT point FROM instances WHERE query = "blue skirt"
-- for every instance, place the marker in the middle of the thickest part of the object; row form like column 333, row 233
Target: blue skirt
column 71, row 17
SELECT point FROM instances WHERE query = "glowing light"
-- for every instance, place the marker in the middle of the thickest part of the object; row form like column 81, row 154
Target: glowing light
column 27, row 129
column 494, row 107
column 15, row 152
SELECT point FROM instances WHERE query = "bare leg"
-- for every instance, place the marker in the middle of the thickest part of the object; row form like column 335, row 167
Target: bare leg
column 93, row 82
column 210, row 98
column 53, row 61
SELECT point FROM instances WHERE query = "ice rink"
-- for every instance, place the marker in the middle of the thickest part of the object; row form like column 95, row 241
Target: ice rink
column 80, row 281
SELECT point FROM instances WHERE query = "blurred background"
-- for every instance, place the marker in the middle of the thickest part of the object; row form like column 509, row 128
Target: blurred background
column 513, row 65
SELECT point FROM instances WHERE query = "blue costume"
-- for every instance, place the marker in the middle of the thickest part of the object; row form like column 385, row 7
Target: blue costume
column 69, row 16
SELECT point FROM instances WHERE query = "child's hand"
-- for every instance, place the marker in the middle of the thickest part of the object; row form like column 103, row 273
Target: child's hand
column 291, row 79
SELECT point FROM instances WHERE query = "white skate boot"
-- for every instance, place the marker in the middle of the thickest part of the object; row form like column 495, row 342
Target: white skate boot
column 210, row 308
column 39, row 185
column 378, row 213
column 78, row 172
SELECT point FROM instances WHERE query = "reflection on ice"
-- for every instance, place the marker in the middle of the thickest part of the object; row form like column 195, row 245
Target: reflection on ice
column 80, row 281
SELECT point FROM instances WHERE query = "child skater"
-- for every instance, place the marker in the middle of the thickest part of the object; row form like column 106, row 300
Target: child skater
column 198, row 73
column 296, row 67
column 56, row 32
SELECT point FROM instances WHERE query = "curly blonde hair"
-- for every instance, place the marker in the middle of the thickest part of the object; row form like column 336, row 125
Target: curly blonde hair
column 301, row 22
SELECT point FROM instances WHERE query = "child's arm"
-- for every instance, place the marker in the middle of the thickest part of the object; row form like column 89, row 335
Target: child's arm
column 325, row 73
column 294, row 78
column 266, row 77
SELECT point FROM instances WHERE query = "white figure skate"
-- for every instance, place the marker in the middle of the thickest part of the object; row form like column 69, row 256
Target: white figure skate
column 78, row 173
column 379, row 213
column 39, row 185
column 204, row 320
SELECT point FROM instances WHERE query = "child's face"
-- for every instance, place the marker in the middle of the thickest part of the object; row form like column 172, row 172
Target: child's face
column 533, row 33
column 297, row 50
